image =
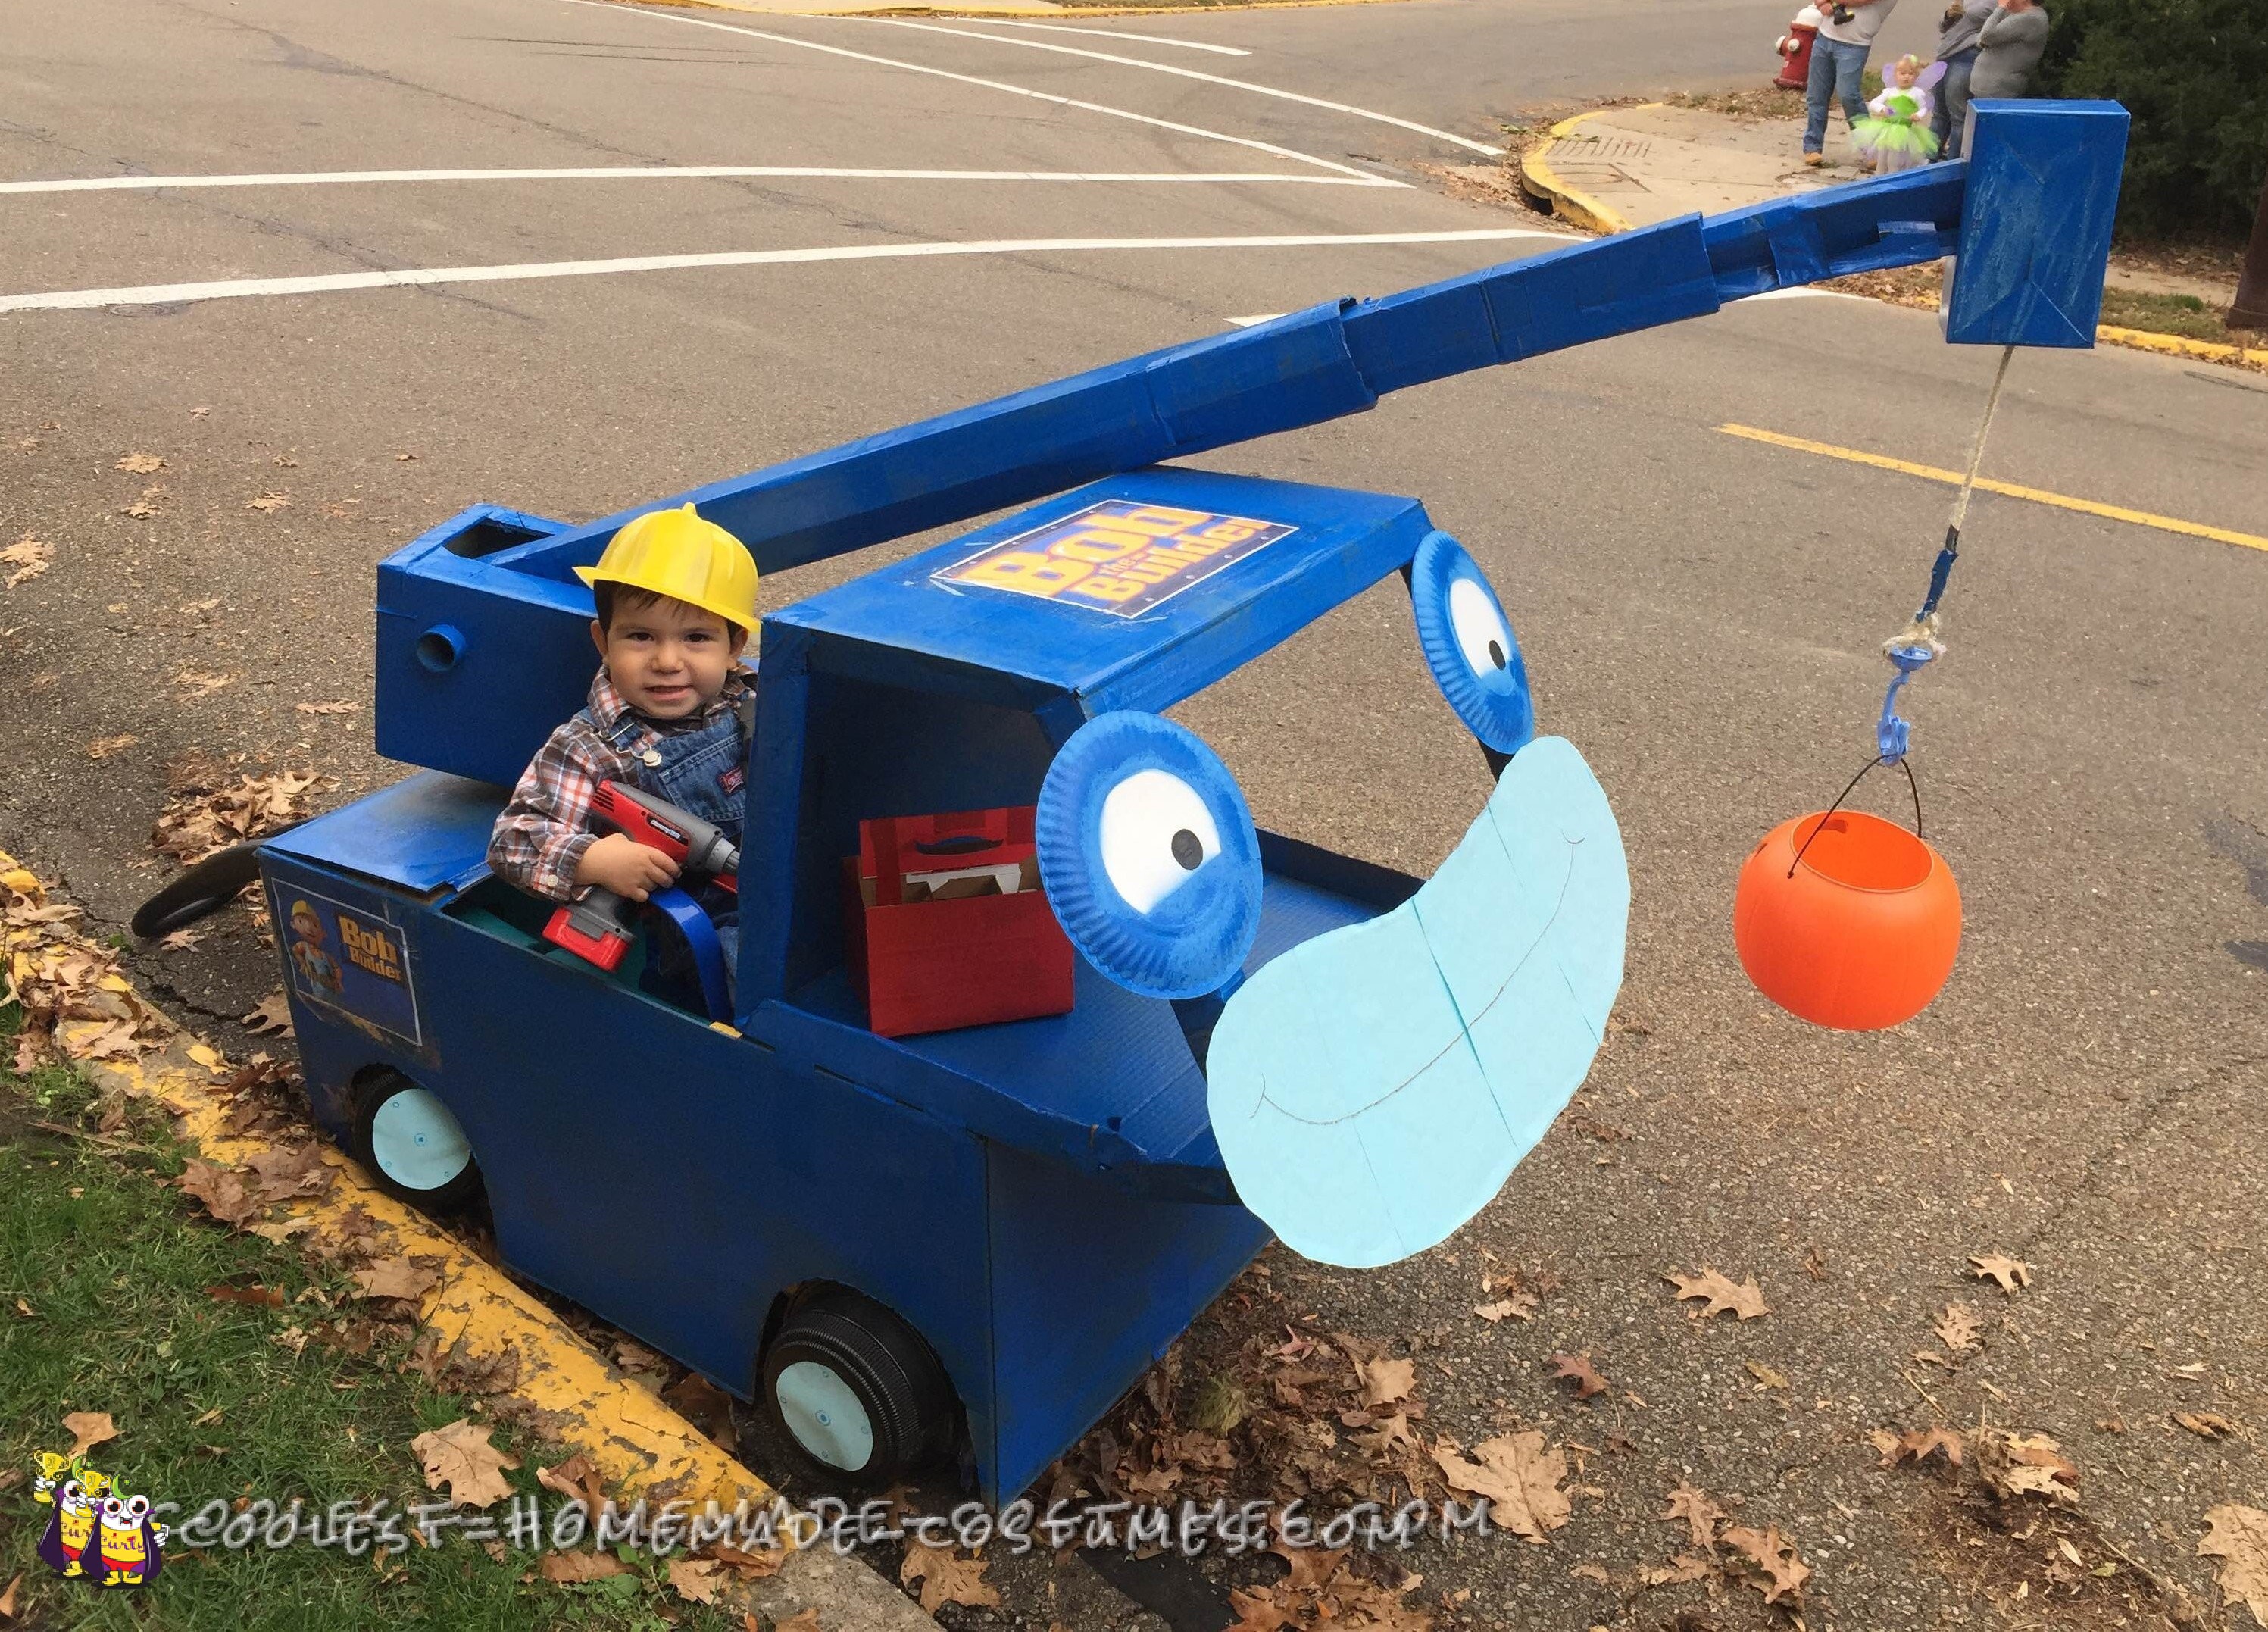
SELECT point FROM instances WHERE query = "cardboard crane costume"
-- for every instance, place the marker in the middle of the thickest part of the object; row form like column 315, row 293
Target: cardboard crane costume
column 1018, row 1218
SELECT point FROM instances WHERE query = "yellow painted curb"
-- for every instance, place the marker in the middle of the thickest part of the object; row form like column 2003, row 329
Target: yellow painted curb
column 477, row 1312
column 1570, row 203
column 640, row 1446
column 2180, row 345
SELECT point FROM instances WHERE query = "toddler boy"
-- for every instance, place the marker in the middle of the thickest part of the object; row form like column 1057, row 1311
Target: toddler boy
column 669, row 712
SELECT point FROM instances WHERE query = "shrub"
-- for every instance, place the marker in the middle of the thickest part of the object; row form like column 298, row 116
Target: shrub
column 2194, row 73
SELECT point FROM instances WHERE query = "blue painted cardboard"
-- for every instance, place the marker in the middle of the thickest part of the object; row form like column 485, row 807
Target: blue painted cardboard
column 2035, row 234
column 515, row 606
column 1327, row 545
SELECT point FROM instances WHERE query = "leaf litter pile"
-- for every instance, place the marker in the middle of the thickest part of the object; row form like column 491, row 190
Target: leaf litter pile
column 212, row 803
column 1260, row 1401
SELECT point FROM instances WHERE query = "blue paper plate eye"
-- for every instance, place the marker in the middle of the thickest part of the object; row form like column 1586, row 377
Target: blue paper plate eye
column 1469, row 645
column 1148, row 856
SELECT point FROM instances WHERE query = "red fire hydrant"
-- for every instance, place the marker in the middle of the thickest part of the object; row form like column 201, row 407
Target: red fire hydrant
column 1796, row 46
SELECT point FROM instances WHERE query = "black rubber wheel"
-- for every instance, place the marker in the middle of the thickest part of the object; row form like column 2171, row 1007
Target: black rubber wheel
column 412, row 1145
column 856, row 1392
column 206, row 887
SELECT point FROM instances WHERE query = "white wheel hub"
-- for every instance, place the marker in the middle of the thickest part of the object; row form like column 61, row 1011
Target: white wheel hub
column 416, row 1143
column 824, row 1415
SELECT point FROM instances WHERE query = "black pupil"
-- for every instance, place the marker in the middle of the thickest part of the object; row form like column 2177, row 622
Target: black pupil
column 1496, row 655
column 1187, row 850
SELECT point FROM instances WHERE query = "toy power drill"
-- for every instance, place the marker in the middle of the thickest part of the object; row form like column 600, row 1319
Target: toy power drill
column 598, row 927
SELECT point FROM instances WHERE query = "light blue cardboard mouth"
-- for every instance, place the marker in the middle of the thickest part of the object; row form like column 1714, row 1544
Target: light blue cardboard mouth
column 1373, row 1088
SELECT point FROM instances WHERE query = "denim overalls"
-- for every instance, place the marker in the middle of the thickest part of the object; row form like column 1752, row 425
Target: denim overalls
column 704, row 773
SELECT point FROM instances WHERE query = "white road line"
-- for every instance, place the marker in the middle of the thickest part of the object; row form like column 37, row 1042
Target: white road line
column 329, row 282
column 998, row 85
column 621, row 172
column 1802, row 292
column 1190, row 73
column 1107, row 33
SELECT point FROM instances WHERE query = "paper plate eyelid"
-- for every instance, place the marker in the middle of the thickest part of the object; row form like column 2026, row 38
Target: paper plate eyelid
column 1469, row 645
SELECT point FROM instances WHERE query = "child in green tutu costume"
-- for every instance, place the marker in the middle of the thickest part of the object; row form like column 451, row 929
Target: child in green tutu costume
column 1896, row 133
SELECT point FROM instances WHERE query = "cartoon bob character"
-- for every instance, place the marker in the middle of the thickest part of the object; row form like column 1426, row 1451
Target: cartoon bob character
column 316, row 966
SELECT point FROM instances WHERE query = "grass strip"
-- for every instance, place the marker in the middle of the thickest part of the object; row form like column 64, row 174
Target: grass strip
column 107, row 1305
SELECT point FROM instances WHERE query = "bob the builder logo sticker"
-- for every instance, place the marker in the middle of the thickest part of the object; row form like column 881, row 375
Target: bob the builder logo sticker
column 1118, row 556
column 347, row 957
column 97, row 1533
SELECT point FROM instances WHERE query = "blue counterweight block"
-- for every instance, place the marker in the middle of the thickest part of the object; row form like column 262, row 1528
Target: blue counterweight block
column 2035, row 225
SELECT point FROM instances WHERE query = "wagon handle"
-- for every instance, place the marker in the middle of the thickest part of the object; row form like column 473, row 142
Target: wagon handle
column 1878, row 759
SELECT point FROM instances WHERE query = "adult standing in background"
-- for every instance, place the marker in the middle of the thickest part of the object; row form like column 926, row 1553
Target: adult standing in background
column 1956, row 48
column 1838, row 62
column 2009, row 49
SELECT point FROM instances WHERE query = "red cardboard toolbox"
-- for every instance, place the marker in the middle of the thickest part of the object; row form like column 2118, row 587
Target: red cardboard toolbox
column 947, row 926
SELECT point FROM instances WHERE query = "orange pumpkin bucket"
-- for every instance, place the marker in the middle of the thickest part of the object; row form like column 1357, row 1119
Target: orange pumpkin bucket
column 1847, row 920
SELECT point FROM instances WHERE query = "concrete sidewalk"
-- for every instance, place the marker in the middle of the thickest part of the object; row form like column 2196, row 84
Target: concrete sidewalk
column 1621, row 167
column 1618, row 168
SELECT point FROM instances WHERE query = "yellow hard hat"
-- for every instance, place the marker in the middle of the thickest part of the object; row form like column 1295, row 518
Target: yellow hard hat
column 675, row 553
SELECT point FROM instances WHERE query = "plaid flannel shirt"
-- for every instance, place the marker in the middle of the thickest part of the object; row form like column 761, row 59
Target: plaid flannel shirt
column 545, row 827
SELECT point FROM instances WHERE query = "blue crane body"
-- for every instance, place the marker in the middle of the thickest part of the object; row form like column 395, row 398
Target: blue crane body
column 1044, row 1202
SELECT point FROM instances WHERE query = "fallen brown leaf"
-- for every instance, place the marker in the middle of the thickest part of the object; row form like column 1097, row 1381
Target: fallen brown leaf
column 1764, row 1375
column 1956, row 1328
column 1518, row 1476
column 747, row 1566
column 569, row 1569
column 1772, row 1558
column 272, row 1015
column 2025, row 1464
column 578, row 1479
column 326, row 708
column 271, row 1297
column 1697, row 1512
column 1593, row 1572
column 704, row 1405
column 29, row 557
column 2238, row 1537
column 802, row 1620
column 221, row 1190
column 1745, row 1302
column 1683, row 1568
column 1386, row 1381
column 697, row 1579
column 2010, row 1272
column 1578, row 1369
column 140, row 464
column 396, row 1277
column 268, row 504
column 87, row 1429
column 284, row 1172
column 946, row 1579
column 460, row 1457
column 1519, row 1306
column 104, row 747
column 2206, row 1424
column 1917, row 1446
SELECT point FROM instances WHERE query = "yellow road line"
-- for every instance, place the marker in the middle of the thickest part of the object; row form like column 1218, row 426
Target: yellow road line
column 2060, row 501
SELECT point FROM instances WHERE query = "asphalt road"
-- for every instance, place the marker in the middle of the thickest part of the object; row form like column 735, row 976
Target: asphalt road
column 1699, row 612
